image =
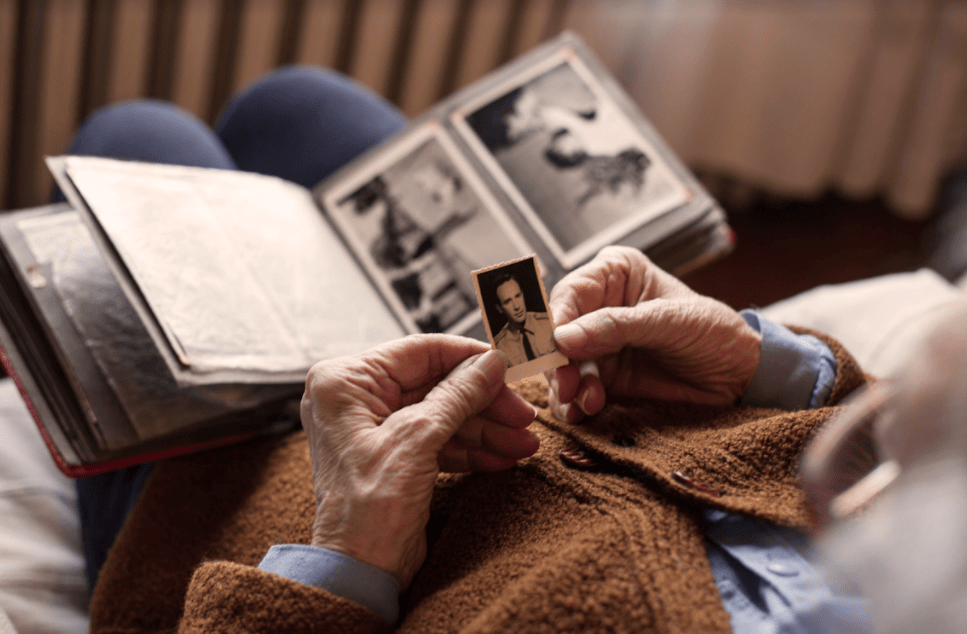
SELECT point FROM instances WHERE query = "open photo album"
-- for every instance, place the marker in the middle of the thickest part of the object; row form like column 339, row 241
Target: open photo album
column 166, row 309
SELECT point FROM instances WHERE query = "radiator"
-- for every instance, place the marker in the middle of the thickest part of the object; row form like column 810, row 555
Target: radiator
column 784, row 97
column 61, row 59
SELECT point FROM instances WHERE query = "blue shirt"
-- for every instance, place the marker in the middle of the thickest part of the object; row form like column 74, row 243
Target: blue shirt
column 762, row 571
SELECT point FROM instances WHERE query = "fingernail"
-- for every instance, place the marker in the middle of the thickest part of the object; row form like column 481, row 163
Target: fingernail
column 559, row 411
column 589, row 368
column 570, row 414
column 493, row 364
column 569, row 335
column 579, row 400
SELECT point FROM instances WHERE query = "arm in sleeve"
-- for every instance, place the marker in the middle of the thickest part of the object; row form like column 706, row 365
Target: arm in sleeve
column 763, row 572
column 795, row 371
column 225, row 596
column 337, row 573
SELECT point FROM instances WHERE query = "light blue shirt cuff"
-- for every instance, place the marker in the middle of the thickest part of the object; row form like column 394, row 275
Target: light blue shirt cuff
column 342, row 575
column 795, row 371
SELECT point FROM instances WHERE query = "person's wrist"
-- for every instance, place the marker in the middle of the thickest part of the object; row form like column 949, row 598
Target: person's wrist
column 361, row 545
column 749, row 341
column 370, row 538
column 735, row 348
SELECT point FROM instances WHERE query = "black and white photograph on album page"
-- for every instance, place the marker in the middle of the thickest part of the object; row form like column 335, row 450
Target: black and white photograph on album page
column 574, row 163
column 419, row 220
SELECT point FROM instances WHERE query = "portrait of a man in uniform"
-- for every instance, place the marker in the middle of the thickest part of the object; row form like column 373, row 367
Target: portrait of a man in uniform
column 528, row 334
column 514, row 306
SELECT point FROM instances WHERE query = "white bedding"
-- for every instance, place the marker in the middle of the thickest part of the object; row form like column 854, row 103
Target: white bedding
column 43, row 586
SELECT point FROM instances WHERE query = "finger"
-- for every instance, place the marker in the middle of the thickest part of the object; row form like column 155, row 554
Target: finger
column 339, row 393
column 591, row 396
column 510, row 409
column 617, row 276
column 417, row 360
column 589, row 400
column 483, row 461
column 564, row 382
column 506, row 442
column 581, row 291
column 463, row 393
column 653, row 382
column 387, row 377
column 608, row 330
column 456, row 459
column 567, row 412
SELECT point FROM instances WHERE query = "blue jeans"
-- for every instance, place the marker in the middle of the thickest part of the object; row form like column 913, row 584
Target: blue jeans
column 297, row 123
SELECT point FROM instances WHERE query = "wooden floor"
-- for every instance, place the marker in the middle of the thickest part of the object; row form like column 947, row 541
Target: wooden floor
column 785, row 248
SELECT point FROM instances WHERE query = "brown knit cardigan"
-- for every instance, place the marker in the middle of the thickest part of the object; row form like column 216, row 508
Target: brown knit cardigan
column 548, row 546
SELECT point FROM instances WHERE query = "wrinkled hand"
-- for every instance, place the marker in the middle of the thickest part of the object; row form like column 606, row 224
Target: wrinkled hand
column 631, row 329
column 383, row 424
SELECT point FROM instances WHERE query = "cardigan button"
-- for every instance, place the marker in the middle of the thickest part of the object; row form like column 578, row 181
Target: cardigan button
column 573, row 456
column 698, row 485
column 783, row 569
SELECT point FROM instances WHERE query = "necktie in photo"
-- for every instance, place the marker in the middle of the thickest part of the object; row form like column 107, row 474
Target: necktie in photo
column 527, row 344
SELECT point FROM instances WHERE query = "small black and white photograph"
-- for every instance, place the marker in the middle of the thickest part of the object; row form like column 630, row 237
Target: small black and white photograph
column 420, row 222
column 514, row 306
column 570, row 158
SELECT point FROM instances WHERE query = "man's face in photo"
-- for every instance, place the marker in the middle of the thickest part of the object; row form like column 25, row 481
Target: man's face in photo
column 510, row 301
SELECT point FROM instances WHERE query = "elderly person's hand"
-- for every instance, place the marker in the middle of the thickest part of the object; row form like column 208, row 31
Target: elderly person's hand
column 631, row 329
column 383, row 424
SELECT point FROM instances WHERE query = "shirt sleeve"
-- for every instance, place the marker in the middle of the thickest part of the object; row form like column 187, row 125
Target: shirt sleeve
column 337, row 573
column 795, row 371
column 764, row 572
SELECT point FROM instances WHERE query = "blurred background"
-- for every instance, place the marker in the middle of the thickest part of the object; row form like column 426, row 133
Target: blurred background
column 832, row 131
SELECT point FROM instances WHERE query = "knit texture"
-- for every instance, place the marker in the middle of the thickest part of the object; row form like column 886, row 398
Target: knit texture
column 544, row 547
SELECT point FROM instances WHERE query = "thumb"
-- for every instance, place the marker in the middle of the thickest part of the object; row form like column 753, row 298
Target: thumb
column 467, row 390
